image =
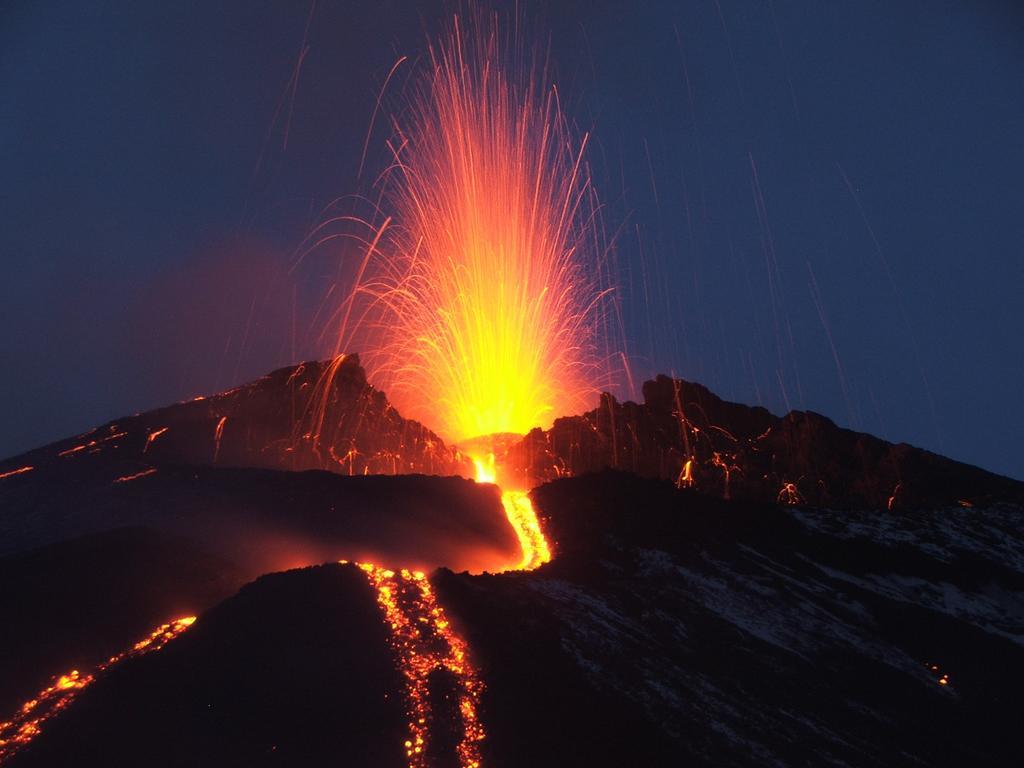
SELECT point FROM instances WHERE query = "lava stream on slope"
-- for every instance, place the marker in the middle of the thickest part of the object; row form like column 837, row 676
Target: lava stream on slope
column 26, row 723
column 423, row 641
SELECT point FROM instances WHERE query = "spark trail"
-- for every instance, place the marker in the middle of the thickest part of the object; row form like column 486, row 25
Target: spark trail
column 480, row 303
column 27, row 722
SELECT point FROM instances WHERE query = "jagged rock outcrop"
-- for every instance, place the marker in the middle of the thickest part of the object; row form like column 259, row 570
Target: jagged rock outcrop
column 685, row 433
column 315, row 415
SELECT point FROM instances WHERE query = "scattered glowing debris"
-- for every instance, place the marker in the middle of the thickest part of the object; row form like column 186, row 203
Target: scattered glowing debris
column 153, row 436
column 18, row 471
column 27, row 722
column 91, row 444
column 891, row 504
column 790, row 495
column 718, row 461
column 685, row 479
column 136, row 476
column 941, row 677
column 218, row 433
column 423, row 641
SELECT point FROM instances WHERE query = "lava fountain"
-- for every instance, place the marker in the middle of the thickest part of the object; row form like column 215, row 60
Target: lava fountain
column 478, row 305
column 480, row 301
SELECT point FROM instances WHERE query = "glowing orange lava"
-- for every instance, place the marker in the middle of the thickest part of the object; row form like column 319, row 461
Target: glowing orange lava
column 424, row 641
column 521, row 516
column 218, row 433
column 153, row 436
column 479, row 304
column 27, row 722
column 136, row 476
column 92, row 443
column 18, row 471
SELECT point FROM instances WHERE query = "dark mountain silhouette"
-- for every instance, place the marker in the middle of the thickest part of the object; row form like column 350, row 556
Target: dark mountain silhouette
column 744, row 452
column 703, row 625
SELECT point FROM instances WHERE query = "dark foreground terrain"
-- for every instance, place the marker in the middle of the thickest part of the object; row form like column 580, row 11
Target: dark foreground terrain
column 674, row 626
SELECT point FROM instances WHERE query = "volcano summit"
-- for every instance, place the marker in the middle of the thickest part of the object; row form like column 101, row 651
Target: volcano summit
column 727, row 587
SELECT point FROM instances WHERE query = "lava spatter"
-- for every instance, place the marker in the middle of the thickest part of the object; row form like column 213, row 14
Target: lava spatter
column 27, row 722
column 424, row 641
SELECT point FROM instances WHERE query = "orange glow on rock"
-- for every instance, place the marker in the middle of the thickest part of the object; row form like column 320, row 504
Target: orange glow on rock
column 27, row 722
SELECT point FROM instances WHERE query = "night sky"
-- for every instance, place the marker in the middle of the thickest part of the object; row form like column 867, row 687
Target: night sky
column 816, row 205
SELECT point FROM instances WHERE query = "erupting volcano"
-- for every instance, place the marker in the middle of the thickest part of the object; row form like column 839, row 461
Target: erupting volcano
column 683, row 580
column 481, row 298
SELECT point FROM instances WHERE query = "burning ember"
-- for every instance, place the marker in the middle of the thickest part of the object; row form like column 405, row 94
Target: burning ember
column 26, row 723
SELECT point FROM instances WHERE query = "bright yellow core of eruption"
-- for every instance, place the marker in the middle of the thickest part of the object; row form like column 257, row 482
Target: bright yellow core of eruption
column 482, row 295
column 521, row 516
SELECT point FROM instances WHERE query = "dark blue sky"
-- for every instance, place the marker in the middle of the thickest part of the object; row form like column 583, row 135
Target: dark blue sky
column 819, row 203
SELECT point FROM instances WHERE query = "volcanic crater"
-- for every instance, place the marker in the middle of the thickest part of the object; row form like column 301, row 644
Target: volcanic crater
column 727, row 587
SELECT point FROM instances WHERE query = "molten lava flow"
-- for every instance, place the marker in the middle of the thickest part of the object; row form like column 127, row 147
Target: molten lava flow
column 479, row 306
column 153, row 436
column 18, row 471
column 521, row 516
column 26, row 723
column 218, row 433
column 94, row 444
column 424, row 641
column 136, row 476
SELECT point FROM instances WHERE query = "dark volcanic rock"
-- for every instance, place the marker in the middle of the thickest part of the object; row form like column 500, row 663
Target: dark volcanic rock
column 316, row 415
column 72, row 605
column 703, row 625
column 745, row 452
column 673, row 628
column 678, row 629
column 266, row 520
column 294, row 670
